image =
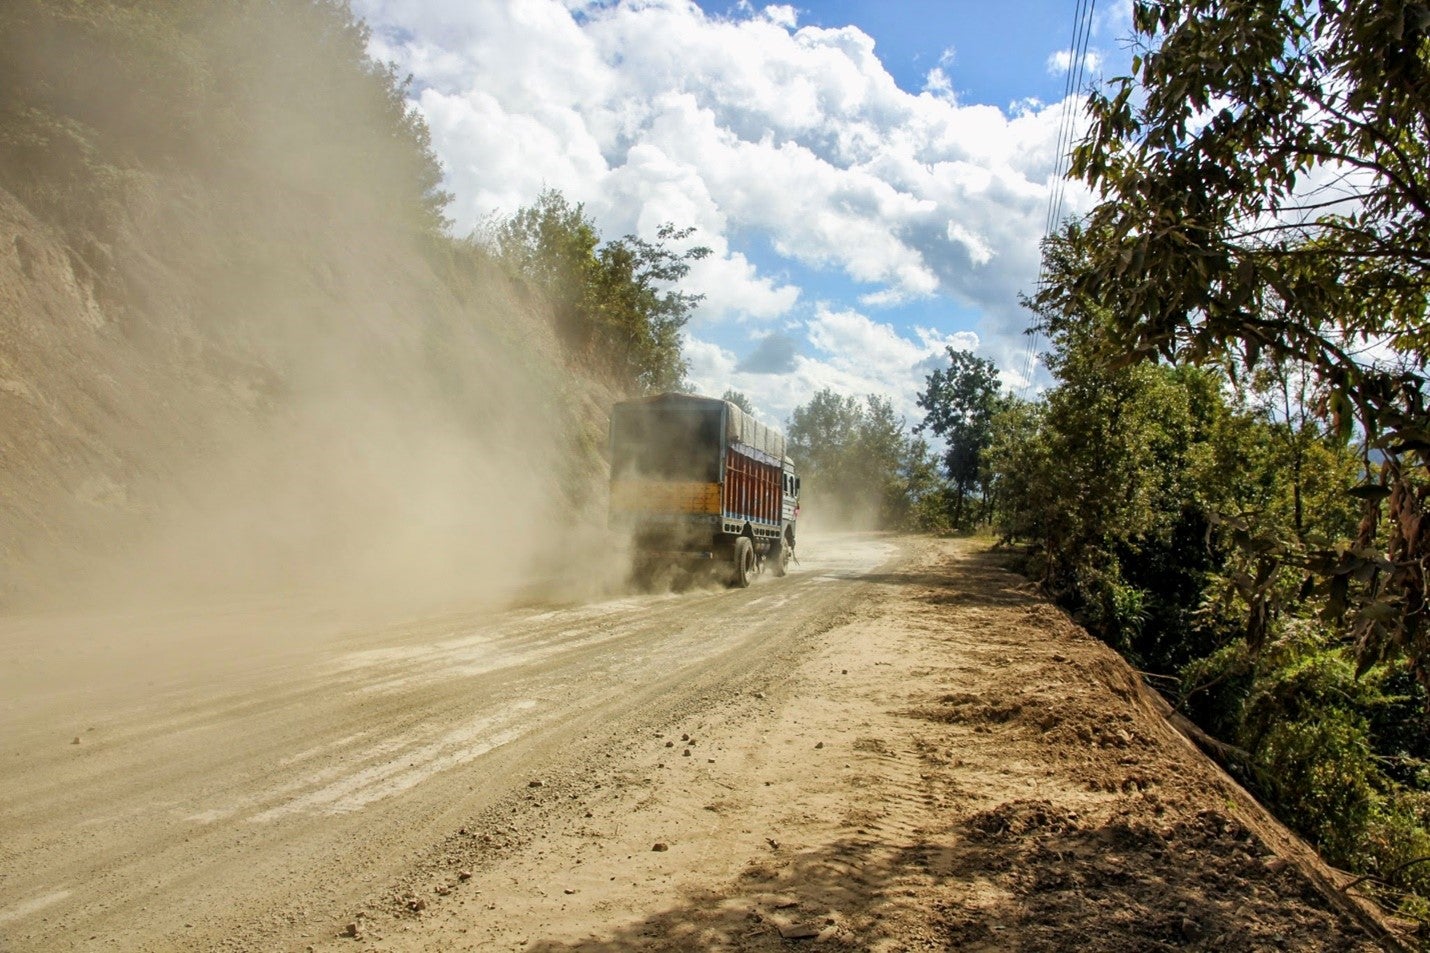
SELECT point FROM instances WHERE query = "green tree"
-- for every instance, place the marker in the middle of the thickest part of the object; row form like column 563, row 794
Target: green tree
column 1314, row 507
column 857, row 462
column 924, row 501
column 739, row 400
column 1116, row 489
column 552, row 244
column 1264, row 179
column 959, row 403
column 1151, row 496
column 618, row 304
column 1012, row 465
column 880, row 452
column 821, row 437
column 640, row 311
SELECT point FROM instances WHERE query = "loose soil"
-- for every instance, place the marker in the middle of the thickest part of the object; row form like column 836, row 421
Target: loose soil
column 955, row 766
column 897, row 747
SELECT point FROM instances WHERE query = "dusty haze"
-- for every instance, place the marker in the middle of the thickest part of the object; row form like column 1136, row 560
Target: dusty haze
column 257, row 382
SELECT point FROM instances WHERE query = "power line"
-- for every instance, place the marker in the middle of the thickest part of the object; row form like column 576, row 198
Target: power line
column 1077, row 53
column 1067, row 124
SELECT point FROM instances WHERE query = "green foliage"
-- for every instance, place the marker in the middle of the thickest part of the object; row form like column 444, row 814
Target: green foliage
column 1156, row 500
column 1114, row 479
column 1265, row 197
column 1400, row 726
column 927, row 499
column 959, row 403
column 638, row 317
column 1014, row 464
column 614, row 302
column 1318, row 775
column 1262, row 215
column 858, row 465
column 1215, row 688
column 739, row 400
column 1306, row 721
column 552, row 244
column 1393, row 850
column 1318, row 741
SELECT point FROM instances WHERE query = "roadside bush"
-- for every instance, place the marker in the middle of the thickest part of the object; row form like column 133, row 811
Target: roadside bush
column 1317, row 774
column 1395, row 851
column 1338, row 757
column 931, row 511
column 1214, row 689
column 1166, row 508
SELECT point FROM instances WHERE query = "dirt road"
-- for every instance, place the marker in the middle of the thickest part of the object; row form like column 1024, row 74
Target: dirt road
column 894, row 748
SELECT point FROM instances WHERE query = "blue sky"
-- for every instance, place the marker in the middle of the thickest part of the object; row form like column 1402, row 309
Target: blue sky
column 872, row 177
column 998, row 50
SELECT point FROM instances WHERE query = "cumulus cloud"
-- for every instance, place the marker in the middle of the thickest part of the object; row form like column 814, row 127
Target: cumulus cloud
column 849, row 353
column 750, row 127
column 1060, row 61
column 781, row 15
column 937, row 83
column 774, row 354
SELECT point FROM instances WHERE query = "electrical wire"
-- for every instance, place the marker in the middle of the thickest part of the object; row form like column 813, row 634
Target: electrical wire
column 1067, row 125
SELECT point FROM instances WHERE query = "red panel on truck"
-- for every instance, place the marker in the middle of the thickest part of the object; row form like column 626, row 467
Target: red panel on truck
column 752, row 488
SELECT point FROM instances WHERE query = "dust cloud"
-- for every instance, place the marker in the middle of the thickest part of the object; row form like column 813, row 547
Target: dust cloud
column 399, row 457
column 831, row 513
column 281, row 390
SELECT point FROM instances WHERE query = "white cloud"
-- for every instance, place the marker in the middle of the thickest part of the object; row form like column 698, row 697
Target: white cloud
column 978, row 250
column 746, row 126
column 781, row 15
column 883, row 298
column 1061, row 61
column 938, row 84
column 849, row 354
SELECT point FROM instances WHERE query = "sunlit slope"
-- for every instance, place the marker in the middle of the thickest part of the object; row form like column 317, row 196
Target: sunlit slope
column 245, row 357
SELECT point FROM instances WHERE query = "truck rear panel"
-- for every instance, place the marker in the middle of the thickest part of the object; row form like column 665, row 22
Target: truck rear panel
column 752, row 492
column 693, row 474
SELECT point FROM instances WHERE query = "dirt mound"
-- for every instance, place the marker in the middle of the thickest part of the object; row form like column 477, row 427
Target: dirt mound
column 1021, row 818
column 1124, row 883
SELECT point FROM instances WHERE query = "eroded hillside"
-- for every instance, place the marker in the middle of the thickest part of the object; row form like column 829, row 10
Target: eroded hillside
column 235, row 356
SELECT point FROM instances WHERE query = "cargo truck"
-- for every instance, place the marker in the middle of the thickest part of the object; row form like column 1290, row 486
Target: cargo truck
column 697, row 482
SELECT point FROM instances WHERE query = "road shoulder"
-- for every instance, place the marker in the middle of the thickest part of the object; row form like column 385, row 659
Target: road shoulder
column 953, row 766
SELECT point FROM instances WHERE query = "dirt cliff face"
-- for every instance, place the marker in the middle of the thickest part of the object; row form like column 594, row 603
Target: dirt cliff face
column 267, row 390
column 60, row 374
column 237, row 352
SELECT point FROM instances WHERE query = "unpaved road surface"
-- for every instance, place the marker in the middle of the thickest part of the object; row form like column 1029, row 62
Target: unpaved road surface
column 895, row 748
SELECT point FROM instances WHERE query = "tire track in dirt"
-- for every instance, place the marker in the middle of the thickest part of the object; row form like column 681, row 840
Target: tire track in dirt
column 915, row 756
column 252, row 806
column 954, row 766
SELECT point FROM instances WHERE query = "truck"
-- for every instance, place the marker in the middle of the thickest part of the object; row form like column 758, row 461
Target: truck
column 697, row 483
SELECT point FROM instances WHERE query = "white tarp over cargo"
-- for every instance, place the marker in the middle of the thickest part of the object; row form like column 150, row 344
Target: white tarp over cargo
column 746, row 430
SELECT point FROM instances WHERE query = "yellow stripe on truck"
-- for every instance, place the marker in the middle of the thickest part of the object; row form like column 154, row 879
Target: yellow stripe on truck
column 656, row 496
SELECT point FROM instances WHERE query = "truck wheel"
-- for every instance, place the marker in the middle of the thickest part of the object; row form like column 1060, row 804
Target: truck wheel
column 642, row 575
column 778, row 558
column 744, row 563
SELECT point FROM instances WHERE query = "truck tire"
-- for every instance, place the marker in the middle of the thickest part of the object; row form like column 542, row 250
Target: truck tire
column 642, row 574
column 744, row 563
column 778, row 558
